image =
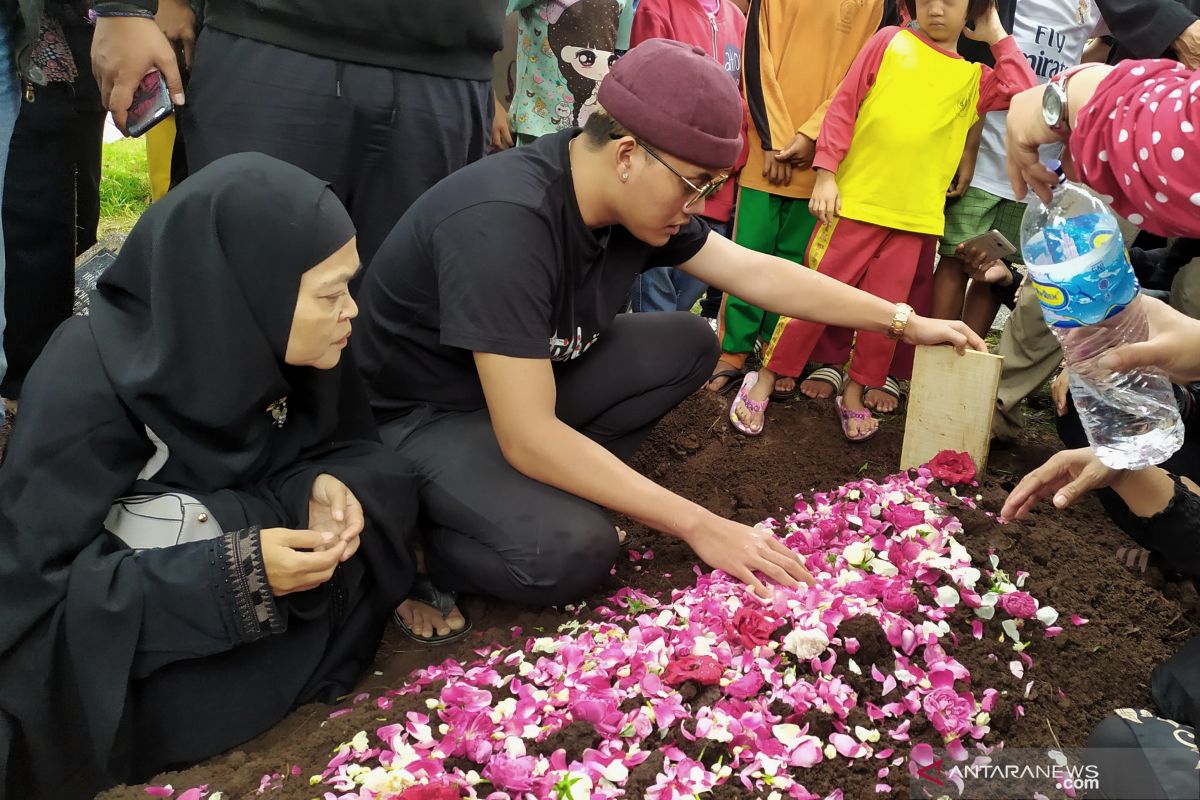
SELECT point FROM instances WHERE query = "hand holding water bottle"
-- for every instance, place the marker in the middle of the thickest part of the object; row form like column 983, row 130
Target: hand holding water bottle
column 1173, row 345
column 1090, row 298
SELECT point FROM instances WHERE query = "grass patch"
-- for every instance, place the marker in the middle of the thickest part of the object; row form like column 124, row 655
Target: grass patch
column 124, row 185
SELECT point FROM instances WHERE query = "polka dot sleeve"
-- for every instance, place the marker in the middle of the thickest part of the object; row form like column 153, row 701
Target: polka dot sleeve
column 1137, row 141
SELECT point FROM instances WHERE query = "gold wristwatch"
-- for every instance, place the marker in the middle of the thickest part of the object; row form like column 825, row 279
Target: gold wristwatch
column 900, row 320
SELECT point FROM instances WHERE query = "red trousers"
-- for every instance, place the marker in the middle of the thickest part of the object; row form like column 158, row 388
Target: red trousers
column 885, row 262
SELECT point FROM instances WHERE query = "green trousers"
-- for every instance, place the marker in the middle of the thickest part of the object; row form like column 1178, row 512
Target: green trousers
column 768, row 223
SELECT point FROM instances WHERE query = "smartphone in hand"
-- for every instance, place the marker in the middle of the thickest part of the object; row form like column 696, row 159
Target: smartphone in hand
column 151, row 104
column 992, row 245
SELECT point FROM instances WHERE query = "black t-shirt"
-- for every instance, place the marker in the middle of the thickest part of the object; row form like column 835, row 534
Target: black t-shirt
column 497, row 259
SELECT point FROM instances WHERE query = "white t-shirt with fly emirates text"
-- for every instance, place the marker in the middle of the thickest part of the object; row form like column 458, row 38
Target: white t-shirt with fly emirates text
column 1052, row 35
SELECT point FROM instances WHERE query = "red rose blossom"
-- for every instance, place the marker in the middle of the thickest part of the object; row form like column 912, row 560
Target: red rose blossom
column 751, row 628
column 951, row 467
column 1018, row 604
column 701, row 669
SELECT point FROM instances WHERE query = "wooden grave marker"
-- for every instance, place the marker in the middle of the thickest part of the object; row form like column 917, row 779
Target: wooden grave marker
column 951, row 401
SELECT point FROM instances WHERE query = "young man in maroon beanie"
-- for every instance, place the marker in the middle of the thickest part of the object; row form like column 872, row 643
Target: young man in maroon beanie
column 496, row 359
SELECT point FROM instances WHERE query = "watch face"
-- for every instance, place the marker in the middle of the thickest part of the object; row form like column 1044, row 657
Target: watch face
column 1052, row 105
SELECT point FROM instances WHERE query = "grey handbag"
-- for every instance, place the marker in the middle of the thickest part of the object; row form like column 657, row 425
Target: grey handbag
column 160, row 520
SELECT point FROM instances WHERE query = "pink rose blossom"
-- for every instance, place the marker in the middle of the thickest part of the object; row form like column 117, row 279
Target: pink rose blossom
column 947, row 711
column 1018, row 604
column 903, row 517
column 440, row 789
column 511, row 774
column 899, row 600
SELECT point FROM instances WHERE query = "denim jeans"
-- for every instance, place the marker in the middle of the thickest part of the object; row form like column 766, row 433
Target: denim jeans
column 670, row 288
column 10, row 104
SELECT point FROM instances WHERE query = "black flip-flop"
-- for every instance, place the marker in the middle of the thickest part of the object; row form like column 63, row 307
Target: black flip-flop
column 733, row 379
column 423, row 591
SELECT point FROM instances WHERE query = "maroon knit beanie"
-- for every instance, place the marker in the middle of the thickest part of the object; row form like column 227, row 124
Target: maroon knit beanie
column 678, row 99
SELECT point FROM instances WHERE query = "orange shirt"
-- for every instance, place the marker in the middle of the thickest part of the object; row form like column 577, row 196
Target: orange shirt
column 796, row 53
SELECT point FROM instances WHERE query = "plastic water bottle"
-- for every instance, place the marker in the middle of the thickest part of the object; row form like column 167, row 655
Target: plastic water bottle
column 1090, row 298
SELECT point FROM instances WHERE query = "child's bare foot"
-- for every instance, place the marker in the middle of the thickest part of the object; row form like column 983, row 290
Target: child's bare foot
column 852, row 400
column 784, row 387
column 424, row 620
column 822, row 383
column 879, row 400
column 884, row 399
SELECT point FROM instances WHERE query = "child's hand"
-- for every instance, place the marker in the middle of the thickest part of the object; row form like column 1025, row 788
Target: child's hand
column 964, row 175
column 799, row 153
column 1059, row 390
column 987, row 27
column 826, row 202
column 776, row 170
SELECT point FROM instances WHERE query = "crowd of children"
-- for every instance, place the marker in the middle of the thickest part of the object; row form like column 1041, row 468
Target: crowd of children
column 874, row 150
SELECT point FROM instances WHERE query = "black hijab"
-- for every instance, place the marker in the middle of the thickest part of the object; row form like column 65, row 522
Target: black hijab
column 192, row 320
column 187, row 335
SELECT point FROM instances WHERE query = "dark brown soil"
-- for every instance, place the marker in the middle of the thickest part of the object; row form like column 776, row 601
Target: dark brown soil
column 1079, row 677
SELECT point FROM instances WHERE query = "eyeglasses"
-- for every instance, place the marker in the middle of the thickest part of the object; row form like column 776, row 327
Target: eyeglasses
column 702, row 193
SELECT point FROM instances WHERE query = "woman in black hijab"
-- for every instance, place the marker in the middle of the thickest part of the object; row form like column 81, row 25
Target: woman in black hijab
column 211, row 376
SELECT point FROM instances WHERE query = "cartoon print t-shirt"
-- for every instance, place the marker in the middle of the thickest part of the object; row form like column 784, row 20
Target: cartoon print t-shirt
column 564, row 49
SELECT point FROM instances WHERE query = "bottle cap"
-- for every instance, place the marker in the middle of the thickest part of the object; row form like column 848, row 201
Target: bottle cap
column 1055, row 166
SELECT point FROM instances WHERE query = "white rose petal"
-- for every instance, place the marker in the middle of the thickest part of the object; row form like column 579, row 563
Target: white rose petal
column 1017, row 669
column 806, row 644
column 865, row 734
column 1047, row 615
column 616, row 772
column 581, row 787
column 967, row 576
column 946, row 596
column 883, row 568
column 1010, row 627
column 857, row 553
column 787, row 734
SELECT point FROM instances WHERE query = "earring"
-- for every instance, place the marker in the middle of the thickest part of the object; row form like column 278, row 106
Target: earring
column 624, row 176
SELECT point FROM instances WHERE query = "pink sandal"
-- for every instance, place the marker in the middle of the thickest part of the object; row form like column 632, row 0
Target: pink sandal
column 846, row 415
column 753, row 406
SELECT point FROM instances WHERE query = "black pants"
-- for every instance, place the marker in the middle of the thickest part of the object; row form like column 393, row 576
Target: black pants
column 1140, row 756
column 1171, row 536
column 491, row 530
column 51, row 208
column 379, row 136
